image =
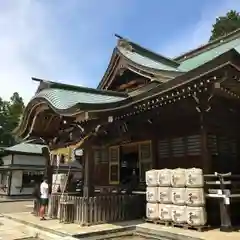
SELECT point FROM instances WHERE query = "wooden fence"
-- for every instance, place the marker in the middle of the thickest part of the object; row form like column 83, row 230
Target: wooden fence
column 98, row 209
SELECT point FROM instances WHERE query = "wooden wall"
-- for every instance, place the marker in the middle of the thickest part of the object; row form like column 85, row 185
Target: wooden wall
column 183, row 152
column 176, row 141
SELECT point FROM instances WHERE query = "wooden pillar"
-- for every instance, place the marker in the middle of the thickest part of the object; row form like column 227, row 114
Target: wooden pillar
column 88, row 188
column 203, row 107
column 48, row 172
column 205, row 156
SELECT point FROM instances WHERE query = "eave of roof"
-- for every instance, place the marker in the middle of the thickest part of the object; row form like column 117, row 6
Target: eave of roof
column 74, row 88
column 61, row 100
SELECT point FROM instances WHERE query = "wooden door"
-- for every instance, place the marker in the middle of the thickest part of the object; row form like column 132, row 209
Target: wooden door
column 145, row 159
column 114, row 165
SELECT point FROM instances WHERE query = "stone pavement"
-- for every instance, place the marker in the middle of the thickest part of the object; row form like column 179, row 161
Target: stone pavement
column 15, row 199
column 12, row 230
column 182, row 234
column 53, row 226
column 56, row 230
column 13, row 207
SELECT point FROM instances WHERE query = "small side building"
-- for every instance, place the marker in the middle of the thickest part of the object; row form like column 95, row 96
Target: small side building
column 22, row 165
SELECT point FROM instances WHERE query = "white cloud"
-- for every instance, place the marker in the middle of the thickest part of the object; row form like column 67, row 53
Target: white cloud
column 28, row 47
column 39, row 38
column 199, row 34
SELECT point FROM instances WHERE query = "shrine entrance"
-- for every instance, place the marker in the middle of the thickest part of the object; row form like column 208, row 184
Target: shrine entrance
column 129, row 162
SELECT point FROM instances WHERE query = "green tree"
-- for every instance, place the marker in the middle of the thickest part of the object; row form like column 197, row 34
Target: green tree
column 10, row 113
column 16, row 108
column 225, row 24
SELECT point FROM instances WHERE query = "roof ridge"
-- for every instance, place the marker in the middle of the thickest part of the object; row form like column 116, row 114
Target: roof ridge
column 156, row 56
column 212, row 44
column 70, row 87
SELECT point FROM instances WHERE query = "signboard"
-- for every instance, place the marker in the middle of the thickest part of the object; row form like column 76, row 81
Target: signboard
column 78, row 152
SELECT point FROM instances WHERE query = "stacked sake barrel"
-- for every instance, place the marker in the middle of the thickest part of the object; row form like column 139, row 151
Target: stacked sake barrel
column 176, row 196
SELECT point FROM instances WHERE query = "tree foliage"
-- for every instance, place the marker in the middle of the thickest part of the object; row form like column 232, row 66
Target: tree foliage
column 10, row 113
column 225, row 24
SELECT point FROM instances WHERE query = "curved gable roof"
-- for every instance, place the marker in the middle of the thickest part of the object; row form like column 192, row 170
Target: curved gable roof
column 63, row 96
column 145, row 61
column 130, row 54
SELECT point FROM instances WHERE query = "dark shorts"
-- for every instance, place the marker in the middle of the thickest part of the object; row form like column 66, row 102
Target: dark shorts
column 44, row 201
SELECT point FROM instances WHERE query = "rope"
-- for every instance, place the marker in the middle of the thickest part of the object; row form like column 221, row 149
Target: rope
column 66, row 181
column 58, row 165
column 62, row 191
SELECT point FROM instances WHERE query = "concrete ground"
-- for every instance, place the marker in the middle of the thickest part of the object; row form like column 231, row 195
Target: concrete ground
column 144, row 229
column 11, row 230
column 16, row 206
column 63, row 230
column 16, row 222
column 183, row 234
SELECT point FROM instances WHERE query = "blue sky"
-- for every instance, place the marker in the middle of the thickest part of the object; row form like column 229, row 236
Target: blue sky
column 71, row 41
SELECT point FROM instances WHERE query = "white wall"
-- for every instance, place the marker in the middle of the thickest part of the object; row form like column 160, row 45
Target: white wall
column 7, row 160
column 16, row 179
column 28, row 160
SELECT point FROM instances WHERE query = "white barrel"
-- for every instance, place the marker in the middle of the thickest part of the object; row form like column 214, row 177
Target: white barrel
column 194, row 178
column 164, row 177
column 152, row 211
column 165, row 212
column 178, row 214
column 196, row 216
column 195, row 197
column 152, row 194
column 178, row 178
column 164, row 195
column 178, row 196
column 151, row 178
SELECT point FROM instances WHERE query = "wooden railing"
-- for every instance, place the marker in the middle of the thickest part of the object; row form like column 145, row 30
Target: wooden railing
column 98, row 209
column 224, row 189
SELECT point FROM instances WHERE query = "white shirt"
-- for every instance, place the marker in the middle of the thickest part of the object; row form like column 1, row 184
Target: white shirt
column 44, row 190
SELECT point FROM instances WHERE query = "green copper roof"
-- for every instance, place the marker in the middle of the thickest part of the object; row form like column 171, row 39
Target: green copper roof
column 208, row 55
column 146, row 61
column 26, row 148
column 64, row 99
